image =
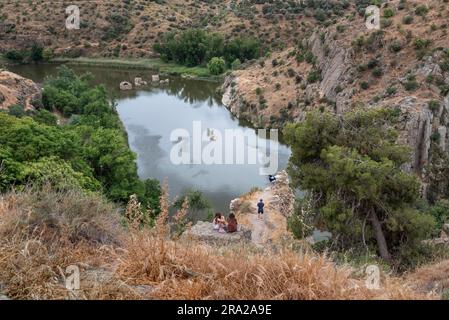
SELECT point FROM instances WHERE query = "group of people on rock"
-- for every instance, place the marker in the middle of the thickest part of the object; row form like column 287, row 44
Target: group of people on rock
column 230, row 225
column 222, row 225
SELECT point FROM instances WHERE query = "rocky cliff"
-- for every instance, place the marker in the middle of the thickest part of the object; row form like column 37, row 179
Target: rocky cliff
column 15, row 89
column 345, row 67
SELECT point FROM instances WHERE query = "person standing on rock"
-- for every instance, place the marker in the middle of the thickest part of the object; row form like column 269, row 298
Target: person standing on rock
column 260, row 206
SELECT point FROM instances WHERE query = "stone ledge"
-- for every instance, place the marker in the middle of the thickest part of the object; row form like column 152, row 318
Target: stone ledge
column 204, row 232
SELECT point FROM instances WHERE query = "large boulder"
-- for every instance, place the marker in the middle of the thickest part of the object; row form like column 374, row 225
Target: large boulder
column 204, row 232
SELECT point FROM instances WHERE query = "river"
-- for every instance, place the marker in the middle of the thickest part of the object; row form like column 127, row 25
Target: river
column 150, row 115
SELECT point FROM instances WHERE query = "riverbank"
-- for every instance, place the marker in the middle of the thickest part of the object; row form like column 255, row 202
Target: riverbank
column 198, row 73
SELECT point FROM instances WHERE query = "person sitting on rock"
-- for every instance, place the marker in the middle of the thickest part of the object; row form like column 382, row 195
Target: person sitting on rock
column 216, row 221
column 219, row 221
column 232, row 224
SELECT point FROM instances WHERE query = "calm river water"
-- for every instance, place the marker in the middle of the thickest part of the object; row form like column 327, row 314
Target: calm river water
column 152, row 112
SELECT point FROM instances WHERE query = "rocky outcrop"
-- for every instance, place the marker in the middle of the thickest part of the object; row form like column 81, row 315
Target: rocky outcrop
column 230, row 97
column 15, row 89
column 204, row 232
column 283, row 198
column 415, row 126
column 336, row 63
column 439, row 241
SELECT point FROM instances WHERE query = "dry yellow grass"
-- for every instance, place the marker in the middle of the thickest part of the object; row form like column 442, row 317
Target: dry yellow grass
column 42, row 233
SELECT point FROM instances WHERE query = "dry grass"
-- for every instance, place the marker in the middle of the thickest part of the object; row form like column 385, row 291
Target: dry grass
column 42, row 233
column 434, row 278
column 180, row 271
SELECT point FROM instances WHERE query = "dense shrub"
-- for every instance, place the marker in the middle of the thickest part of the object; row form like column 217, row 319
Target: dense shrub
column 195, row 47
column 216, row 66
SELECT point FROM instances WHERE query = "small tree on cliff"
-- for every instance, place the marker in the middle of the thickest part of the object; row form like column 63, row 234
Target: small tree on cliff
column 351, row 167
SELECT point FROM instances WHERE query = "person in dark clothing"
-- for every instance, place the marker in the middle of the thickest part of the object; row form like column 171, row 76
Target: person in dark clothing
column 260, row 206
column 232, row 224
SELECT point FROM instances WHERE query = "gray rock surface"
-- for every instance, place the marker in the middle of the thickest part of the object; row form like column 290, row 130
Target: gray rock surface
column 203, row 231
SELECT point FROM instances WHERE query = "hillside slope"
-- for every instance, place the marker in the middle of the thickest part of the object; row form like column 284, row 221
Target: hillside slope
column 42, row 233
column 345, row 66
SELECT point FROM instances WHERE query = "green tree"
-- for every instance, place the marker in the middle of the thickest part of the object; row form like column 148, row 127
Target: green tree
column 93, row 149
column 216, row 66
column 351, row 167
column 36, row 53
column 45, row 117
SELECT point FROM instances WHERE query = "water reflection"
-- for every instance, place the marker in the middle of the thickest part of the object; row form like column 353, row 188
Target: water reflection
column 152, row 112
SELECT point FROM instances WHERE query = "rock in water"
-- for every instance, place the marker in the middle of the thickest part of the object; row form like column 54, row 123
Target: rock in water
column 125, row 85
column 155, row 78
column 204, row 232
column 139, row 82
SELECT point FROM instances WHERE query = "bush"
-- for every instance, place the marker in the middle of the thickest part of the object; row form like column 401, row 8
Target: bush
column 434, row 106
column 47, row 54
column 15, row 55
column 236, row 64
column 440, row 211
column 411, row 84
column 388, row 13
column 313, row 76
column 36, row 53
column 16, row 110
column 364, row 85
column 45, row 117
column 407, row 20
column 421, row 44
column 391, row 91
column 421, row 10
column 396, row 46
column 377, row 72
column 216, row 66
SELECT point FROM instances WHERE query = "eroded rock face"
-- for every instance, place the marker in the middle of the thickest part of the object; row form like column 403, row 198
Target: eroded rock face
column 15, row 89
column 415, row 126
column 283, row 198
column 204, row 232
column 336, row 64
